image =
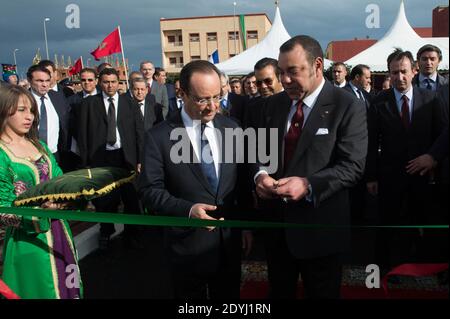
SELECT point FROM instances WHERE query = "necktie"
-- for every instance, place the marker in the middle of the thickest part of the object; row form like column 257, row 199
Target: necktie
column 43, row 121
column 292, row 136
column 141, row 104
column 405, row 112
column 111, row 138
column 428, row 83
column 360, row 95
column 180, row 103
column 207, row 160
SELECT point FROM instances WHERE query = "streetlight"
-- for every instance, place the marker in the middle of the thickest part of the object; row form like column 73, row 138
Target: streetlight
column 234, row 26
column 45, row 35
column 15, row 61
column 89, row 62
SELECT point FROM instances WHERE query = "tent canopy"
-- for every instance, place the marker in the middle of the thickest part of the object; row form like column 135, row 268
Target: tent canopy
column 400, row 35
column 244, row 62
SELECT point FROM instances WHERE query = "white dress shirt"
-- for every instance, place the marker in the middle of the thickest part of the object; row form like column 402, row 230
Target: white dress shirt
column 193, row 129
column 118, row 144
column 52, row 121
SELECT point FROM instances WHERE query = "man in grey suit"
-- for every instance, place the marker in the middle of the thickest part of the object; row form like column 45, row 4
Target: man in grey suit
column 429, row 56
column 147, row 68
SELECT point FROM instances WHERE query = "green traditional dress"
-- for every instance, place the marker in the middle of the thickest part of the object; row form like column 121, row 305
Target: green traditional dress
column 40, row 259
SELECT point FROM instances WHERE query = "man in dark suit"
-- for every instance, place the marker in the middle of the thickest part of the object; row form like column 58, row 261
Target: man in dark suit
column 404, row 123
column 360, row 77
column 88, row 77
column 322, row 143
column 232, row 105
column 111, row 134
column 150, row 110
column 428, row 57
column 158, row 90
column 53, row 112
column 203, row 262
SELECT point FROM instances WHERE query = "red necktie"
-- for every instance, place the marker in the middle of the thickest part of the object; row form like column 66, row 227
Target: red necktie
column 405, row 112
column 292, row 136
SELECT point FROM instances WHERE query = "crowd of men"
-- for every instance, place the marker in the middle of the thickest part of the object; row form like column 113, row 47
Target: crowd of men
column 341, row 142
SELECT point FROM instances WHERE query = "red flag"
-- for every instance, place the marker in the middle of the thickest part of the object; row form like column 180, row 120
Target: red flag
column 110, row 45
column 76, row 67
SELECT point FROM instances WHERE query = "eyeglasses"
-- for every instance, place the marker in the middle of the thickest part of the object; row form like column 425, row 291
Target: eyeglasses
column 87, row 80
column 203, row 101
column 267, row 82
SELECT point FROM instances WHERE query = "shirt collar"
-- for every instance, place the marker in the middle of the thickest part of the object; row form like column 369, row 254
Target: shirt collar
column 38, row 96
column 399, row 95
column 188, row 122
column 90, row 94
column 115, row 97
column 55, row 88
column 431, row 77
column 311, row 99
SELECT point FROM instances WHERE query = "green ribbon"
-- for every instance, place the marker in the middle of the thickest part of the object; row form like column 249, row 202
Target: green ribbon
column 100, row 217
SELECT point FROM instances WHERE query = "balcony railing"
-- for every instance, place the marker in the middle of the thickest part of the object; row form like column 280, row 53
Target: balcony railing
column 175, row 44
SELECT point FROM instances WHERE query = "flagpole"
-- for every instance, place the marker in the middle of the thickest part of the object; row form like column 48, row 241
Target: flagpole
column 123, row 57
column 82, row 64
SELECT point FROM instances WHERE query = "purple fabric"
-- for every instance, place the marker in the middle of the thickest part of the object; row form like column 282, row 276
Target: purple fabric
column 61, row 247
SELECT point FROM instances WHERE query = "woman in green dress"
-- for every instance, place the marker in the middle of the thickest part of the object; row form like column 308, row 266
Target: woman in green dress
column 40, row 259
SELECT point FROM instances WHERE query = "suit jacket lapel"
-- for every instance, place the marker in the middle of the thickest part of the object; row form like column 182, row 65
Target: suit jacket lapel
column 194, row 166
column 279, row 121
column 101, row 108
column 316, row 120
column 224, row 168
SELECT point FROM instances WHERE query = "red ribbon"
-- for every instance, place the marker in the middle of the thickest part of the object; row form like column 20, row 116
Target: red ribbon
column 6, row 292
column 414, row 270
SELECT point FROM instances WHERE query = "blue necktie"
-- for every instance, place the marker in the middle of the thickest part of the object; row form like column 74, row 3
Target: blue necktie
column 428, row 82
column 43, row 121
column 207, row 161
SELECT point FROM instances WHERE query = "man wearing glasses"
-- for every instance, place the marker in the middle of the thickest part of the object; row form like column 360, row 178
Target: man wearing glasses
column 204, row 262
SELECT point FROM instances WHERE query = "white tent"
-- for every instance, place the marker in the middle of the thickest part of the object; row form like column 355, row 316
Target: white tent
column 400, row 35
column 244, row 62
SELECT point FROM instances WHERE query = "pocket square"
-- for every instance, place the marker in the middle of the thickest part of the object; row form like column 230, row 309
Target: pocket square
column 322, row 131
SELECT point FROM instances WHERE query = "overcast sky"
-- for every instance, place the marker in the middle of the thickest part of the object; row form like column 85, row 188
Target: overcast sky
column 21, row 23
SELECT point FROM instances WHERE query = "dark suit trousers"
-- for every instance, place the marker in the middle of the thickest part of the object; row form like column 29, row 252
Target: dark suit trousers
column 127, row 193
column 321, row 276
column 220, row 283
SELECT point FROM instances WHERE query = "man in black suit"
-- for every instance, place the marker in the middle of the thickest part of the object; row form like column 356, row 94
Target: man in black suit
column 322, row 143
column 88, row 78
column 158, row 90
column 53, row 112
column 150, row 110
column 203, row 262
column 231, row 105
column 111, row 134
column 360, row 77
column 428, row 57
column 404, row 123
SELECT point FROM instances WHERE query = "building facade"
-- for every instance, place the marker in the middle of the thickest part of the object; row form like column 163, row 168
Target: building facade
column 187, row 39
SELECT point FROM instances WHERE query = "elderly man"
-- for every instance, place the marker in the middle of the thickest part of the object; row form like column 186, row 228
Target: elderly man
column 158, row 90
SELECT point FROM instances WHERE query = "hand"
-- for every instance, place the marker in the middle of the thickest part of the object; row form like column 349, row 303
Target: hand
column 53, row 206
column 422, row 165
column 292, row 188
column 247, row 242
column 266, row 187
column 372, row 188
column 199, row 211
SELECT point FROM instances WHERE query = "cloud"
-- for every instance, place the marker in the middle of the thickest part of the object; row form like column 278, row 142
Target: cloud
column 327, row 20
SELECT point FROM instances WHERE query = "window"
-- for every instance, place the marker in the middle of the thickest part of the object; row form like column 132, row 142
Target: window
column 232, row 35
column 173, row 60
column 211, row 36
column 232, row 55
column 252, row 34
column 195, row 57
column 194, row 37
column 171, row 38
column 181, row 60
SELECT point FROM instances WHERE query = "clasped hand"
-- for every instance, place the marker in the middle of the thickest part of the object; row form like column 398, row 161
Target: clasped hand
column 289, row 188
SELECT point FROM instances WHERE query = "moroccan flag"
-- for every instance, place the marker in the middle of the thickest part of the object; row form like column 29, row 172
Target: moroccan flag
column 110, row 45
column 76, row 67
